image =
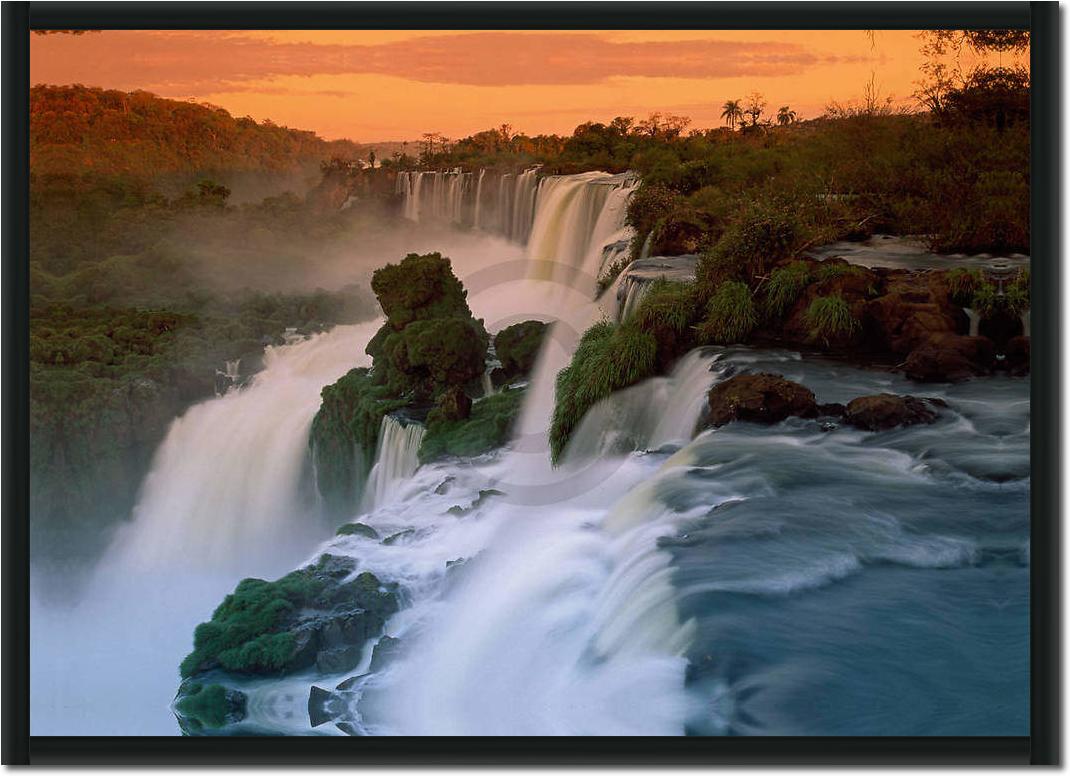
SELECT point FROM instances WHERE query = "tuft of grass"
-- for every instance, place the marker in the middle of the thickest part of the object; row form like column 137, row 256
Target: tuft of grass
column 964, row 283
column 730, row 314
column 784, row 286
column 666, row 305
column 1016, row 294
column 986, row 300
column 608, row 358
column 830, row 318
column 830, row 270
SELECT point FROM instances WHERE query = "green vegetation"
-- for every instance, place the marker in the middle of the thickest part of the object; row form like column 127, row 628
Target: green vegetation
column 419, row 288
column 210, row 706
column 608, row 358
column 344, row 434
column 357, row 529
column 731, row 314
column 830, row 318
column 517, row 347
column 784, row 286
column 487, row 428
column 964, row 283
column 252, row 631
column 429, row 356
column 830, row 269
column 667, row 312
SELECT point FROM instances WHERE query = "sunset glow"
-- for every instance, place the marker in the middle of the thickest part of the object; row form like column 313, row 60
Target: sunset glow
column 384, row 85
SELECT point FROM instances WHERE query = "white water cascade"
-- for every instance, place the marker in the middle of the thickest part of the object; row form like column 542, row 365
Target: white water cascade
column 225, row 488
column 576, row 217
column 395, row 460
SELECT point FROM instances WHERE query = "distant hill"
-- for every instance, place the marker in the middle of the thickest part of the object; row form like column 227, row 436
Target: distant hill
column 79, row 130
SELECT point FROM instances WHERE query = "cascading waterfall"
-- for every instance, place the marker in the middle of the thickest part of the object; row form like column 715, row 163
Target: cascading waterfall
column 576, row 216
column 395, row 460
column 225, row 488
column 477, row 220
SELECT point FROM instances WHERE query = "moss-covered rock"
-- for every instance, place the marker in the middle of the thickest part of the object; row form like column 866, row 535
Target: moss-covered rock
column 487, row 427
column 297, row 621
column 608, row 358
column 344, row 434
column 419, row 287
column 517, row 347
column 357, row 529
column 208, row 706
column 429, row 356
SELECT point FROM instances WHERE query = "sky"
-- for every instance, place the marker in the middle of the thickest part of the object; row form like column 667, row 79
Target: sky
column 378, row 85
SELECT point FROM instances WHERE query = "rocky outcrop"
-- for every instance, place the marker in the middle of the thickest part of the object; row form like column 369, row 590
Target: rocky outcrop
column 759, row 398
column 950, row 358
column 887, row 410
column 316, row 616
column 517, row 347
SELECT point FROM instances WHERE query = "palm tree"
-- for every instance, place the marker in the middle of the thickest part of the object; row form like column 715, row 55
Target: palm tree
column 785, row 116
column 732, row 113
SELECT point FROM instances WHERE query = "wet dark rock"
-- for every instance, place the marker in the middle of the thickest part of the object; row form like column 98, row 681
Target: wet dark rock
column 324, row 706
column 348, row 728
column 397, row 537
column 887, row 410
column 950, row 358
column 338, row 660
column 758, row 398
column 832, row 410
column 1017, row 356
column 385, row 650
column 357, row 529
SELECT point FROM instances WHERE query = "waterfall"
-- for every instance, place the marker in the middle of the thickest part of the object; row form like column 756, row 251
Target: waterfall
column 225, row 490
column 975, row 320
column 443, row 199
column 477, row 222
column 487, row 383
column 395, row 460
column 576, row 216
column 523, row 210
column 1025, row 323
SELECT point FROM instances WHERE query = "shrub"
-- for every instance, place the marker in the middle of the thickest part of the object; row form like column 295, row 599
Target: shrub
column 830, row 318
column 730, row 314
column 608, row 358
column 428, row 356
column 964, row 283
column 517, row 346
column 419, row 287
column 487, row 428
column 986, row 300
column 784, row 286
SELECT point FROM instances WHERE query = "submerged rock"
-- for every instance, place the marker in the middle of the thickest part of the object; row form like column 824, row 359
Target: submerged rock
column 887, row 410
column 759, row 398
column 357, row 529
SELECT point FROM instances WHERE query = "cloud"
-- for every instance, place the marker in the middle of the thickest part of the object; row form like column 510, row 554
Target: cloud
column 191, row 62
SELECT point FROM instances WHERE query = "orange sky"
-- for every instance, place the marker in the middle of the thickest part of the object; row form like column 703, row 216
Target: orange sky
column 396, row 85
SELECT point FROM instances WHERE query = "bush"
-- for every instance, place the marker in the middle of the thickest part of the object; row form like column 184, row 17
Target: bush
column 964, row 283
column 730, row 314
column 830, row 318
column 428, row 356
column 518, row 346
column 487, row 428
column 784, row 286
column 419, row 287
column 608, row 358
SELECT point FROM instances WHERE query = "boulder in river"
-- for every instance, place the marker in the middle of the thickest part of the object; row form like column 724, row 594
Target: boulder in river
column 887, row 410
column 950, row 358
column 759, row 398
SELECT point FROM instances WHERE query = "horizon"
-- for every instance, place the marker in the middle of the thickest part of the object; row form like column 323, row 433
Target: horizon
column 456, row 83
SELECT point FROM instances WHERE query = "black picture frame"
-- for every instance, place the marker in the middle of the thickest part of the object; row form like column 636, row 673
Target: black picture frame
column 1042, row 746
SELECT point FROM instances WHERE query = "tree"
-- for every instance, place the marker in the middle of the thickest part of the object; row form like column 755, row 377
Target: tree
column 755, row 106
column 785, row 116
column 371, row 158
column 732, row 113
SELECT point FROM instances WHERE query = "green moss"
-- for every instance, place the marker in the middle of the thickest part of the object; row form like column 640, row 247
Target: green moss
column 357, row 529
column 344, row 435
column 419, row 287
column 964, row 283
column 830, row 318
column 517, row 346
column 608, row 358
column 250, row 631
column 208, row 706
column 487, row 428
column 784, row 286
column 730, row 314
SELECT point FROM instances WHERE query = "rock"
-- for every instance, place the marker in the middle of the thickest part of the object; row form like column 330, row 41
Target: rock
column 324, row 706
column 199, row 706
column 759, row 398
column 887, row 410
column 1017, row 356
column 338, row 659
column 348, row 728
column 357, row 529
column 386, row 649
column 517, row 347
column 348, row 684
column 833, row 409
column 950, row 358
column 397, row 537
